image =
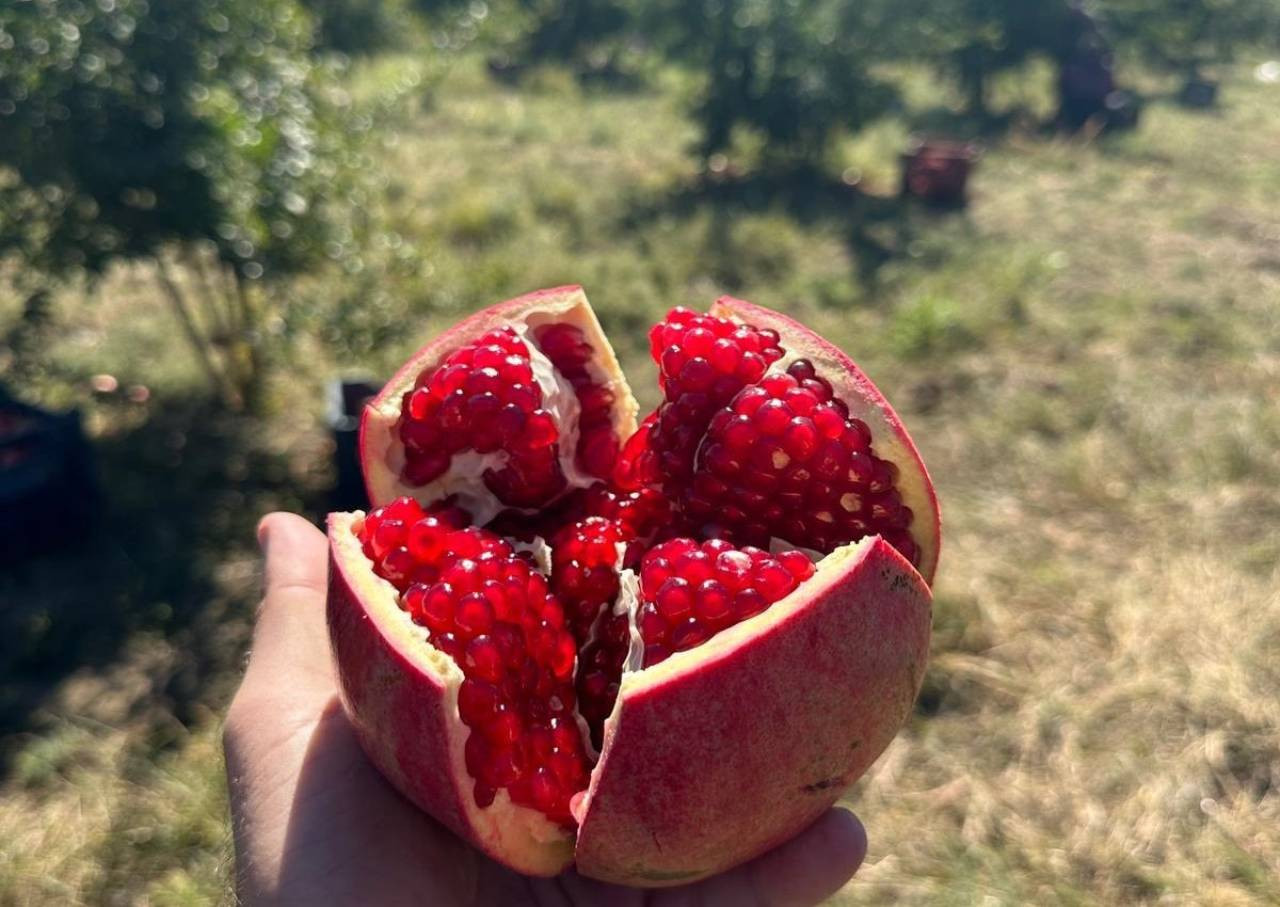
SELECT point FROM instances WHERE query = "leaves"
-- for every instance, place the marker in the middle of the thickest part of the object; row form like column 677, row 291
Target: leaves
column 127, row 124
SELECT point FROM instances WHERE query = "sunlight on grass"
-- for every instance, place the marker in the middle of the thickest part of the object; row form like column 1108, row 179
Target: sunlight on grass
column 1088, row 359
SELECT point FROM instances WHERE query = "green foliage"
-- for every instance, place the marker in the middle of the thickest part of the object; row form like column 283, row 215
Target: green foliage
column 584, row 33
column 794, row 72
column 125, row 125
column 357, row 26
column 976, row 39
column 1182, row 35
column 930, row 326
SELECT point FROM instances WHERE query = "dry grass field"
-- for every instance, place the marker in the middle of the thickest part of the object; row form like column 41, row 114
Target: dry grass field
column 1089, row 359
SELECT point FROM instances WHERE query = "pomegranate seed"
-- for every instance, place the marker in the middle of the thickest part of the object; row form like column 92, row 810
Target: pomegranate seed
column 437, row 608
column 565, row 346
column 748, row 603
column 774, row 581
column 477, row 701
column 786, row 461
column 483, row 659
column 583, row 571
column 689, row 634
column 800, row 437
column 797, row 563
column 690, row 591
column 497, row 619
column 674, row 598
column 713, row 603
column 704, row 361
column 474, row 615
column 482, row 398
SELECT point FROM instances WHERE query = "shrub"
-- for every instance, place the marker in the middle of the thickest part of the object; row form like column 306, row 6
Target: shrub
column 129, row 129
column 794, row 72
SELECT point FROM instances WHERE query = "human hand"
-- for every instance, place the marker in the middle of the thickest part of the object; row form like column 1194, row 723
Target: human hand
column 316, row 824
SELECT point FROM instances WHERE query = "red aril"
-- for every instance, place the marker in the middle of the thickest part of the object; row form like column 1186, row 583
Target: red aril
column 656, row 652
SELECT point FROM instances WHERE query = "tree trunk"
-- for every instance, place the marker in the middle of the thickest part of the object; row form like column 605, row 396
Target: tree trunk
column 252, row 385
column 216, row 303
column 218, row 382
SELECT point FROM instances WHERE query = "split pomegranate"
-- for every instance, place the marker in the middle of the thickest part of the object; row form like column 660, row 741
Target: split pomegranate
column 657, row 651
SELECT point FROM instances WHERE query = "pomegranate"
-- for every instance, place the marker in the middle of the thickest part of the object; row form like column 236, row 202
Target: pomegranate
column 656, row 651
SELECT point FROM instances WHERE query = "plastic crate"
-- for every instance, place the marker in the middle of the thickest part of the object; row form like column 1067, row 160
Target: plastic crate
column 48, row 496
column 346, row 401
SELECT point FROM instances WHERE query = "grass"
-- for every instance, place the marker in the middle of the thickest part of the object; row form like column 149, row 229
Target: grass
column 1088, row 359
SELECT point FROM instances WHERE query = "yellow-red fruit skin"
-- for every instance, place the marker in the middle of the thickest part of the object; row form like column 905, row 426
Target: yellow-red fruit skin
column 706, row 768
column 380, row 689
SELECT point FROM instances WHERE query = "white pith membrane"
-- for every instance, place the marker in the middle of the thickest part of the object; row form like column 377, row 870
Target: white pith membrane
column 464, row 478
column 504, row 825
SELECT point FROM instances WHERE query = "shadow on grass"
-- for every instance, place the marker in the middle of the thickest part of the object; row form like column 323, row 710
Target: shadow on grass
column 876, row 229
column 988, row 127
column 149, row 589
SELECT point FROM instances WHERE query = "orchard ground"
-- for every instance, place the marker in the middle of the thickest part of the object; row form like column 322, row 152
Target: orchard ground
column 1089, row 360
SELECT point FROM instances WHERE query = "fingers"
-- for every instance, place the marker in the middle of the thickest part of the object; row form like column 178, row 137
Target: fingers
column 295, row 554
column 805, row 871
column 290, row 640
column 812, row 866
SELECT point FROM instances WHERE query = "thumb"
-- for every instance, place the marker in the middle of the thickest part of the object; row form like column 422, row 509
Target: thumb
column 290, row 640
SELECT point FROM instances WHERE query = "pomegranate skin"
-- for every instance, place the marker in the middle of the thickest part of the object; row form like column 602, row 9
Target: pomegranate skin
column 403, row 706
column 721, row 753
column 709, row 758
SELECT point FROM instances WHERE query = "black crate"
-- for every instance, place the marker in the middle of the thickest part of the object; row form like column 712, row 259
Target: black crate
column 48, row 496
column 346, row 402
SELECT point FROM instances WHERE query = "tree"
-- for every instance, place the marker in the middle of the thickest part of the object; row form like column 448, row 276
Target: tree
column 1183, row 36
column 976, row 39
column 574, row 31
column 197, row 132
column 357, row 26
column 794, row 72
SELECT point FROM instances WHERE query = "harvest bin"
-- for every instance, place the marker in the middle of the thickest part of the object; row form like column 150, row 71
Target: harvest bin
column 1199, row 93
column 937, row 171
column 346, row 400
column 47, row 492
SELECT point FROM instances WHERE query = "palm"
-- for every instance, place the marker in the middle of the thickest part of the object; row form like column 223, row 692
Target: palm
column 316, row 824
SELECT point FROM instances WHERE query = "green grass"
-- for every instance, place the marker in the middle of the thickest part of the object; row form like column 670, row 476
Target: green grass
column 1088, row 359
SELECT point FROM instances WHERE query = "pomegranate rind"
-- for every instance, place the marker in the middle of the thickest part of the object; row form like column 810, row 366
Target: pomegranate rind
column 379, row 448
column 722, row 752
column 889, row 436
column 400, row 694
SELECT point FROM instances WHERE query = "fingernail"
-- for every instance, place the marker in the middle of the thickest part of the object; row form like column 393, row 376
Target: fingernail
column 264, row 528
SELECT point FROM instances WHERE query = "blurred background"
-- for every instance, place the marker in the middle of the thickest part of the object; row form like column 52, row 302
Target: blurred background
column 1050, row 231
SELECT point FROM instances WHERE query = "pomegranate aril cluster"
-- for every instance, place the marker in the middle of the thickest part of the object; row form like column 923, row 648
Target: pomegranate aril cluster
column 600, row 671
column 741, row 452
column 691, row 591
column 571, row 355
column 704, row 361
column 786, row 460
column 688, row 593
column 404, row 541
column 483, row 397
column 584, row 571
column 494, row 614
column 639, row 515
